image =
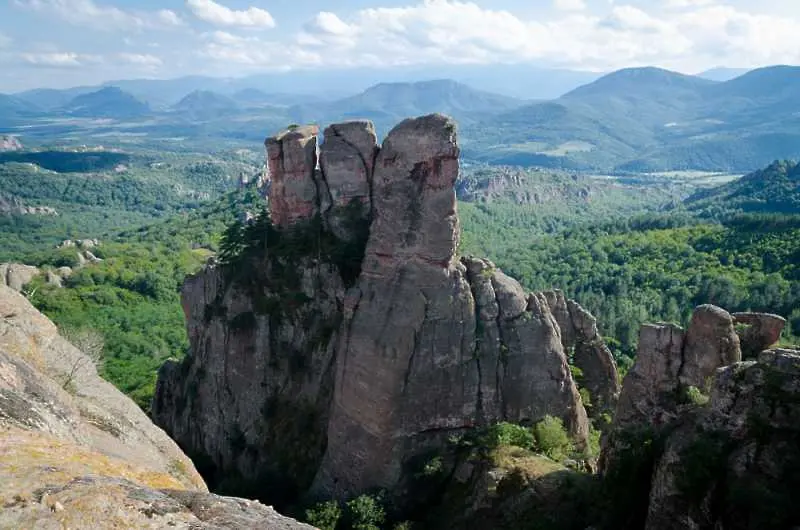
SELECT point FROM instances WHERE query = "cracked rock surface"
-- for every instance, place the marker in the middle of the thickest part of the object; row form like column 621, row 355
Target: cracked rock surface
column 360, row 377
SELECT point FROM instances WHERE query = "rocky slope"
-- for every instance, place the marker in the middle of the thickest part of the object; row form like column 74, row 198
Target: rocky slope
column 350, row 338
column 76, row 453
column 702, row 440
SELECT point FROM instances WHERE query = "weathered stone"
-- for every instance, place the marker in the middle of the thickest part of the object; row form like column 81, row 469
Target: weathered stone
column 583, row 343
column 292, row 161
column 347, row 161
column 760, row 331
column 711, row 342
column 38, row 366
column 17, row 276
column 735, row 463
column 350, row 385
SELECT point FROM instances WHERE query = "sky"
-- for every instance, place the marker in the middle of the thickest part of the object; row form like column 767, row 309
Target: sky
column 61, row 43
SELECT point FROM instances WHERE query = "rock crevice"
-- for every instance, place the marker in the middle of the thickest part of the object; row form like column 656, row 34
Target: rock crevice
column 419, row 345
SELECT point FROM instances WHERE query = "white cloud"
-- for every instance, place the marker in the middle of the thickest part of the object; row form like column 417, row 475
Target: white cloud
column 219, row 15
column 169, row 17
column 88, row 13
column 59, row 59
column 570, row 5
column 254, row 53
column 458, row 31
column 683, row 4
column 5, row 40
column 145, row 60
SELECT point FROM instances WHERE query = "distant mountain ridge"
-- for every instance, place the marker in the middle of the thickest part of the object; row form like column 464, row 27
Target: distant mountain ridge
column 109, row 102
column 649, row 119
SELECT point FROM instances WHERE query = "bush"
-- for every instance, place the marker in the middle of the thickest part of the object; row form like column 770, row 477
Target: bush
column 510, row 434
column 324, row 515
column 365, row 513
column 552, row 438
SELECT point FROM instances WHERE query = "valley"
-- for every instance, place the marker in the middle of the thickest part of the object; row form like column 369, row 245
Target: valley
column 227, row 287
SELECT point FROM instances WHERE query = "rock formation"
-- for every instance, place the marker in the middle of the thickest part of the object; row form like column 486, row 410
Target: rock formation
column 358, row 340
column 14, row 206
column 590, row 354
column 77, row 453
column 758, row 332
column 736, row 464
column 700, row 439
column 16, row 275
column 9, row 143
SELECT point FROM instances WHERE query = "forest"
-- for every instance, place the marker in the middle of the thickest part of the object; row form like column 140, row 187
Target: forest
column 629, row 253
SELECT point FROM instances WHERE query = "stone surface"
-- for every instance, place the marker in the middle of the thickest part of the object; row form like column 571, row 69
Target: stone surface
column 76, row 453
column 16, row 275
column 581, row 339
column 347, row 161
column 711, row 342
column 736, row 463
column 292, row 161
column 314, row 375
column 760, row 331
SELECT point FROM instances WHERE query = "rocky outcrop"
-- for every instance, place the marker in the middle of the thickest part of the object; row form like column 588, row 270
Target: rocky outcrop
column 700, row 439
column 588, row 352
column 736, row 464
column 348, row 347
column 291, row 162
column 14, row 206
column 9, row 143
column 758, row 331
column 670, row 360
column 16, row 275
column 78, row 453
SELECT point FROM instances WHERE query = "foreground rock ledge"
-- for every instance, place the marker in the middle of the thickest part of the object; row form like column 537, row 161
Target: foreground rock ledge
column 312, row 373
column 78, row 453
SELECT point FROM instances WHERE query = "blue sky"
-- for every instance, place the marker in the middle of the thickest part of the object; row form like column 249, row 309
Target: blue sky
column 59, row 43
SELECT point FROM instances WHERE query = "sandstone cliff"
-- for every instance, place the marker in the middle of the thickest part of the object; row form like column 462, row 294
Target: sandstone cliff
column 700, row 439
column 349, row 337
column 76, row 453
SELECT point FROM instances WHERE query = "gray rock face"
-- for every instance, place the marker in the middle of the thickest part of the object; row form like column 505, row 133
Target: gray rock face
column 711, row 342
column 291, row 161
column 38, row 368
column 760, row 332
column 581, row 338
column 16, row 275
column 347, row 161
column 735, row 463
column 346, row 380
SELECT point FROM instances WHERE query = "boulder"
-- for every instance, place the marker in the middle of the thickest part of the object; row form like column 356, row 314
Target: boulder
column 758, row 331
column 17, row 275
column 292, row 162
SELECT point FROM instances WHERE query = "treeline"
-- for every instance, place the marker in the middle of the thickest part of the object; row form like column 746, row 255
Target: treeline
column 644, row 270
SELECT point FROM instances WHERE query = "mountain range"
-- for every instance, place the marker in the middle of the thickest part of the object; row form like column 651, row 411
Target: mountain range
column 631, row 120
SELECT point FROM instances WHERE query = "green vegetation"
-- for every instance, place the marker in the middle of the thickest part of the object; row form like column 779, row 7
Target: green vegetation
column 131, row 297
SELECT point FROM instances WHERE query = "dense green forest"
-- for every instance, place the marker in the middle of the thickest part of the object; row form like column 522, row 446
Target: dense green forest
column 628, row 250
column 132, row 296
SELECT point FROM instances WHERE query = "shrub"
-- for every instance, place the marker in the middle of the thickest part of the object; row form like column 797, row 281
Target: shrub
column 365, row 513
column 692, row 395
column 552, row 438
column 324, row 515
column 510, row 434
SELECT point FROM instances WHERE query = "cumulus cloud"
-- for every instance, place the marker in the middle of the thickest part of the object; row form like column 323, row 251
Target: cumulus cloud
column 219, row 15
column 700, row 34
column 59, row 59
column 88, row 13
column 140, row 59
column 252, row 52
column 570, row 5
